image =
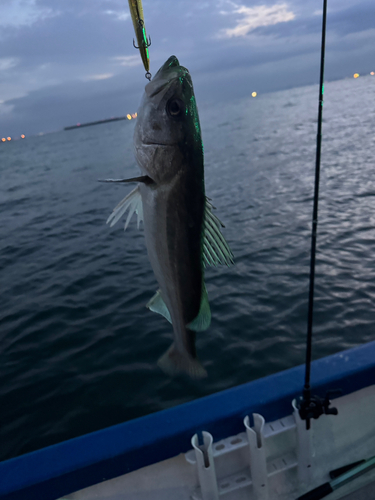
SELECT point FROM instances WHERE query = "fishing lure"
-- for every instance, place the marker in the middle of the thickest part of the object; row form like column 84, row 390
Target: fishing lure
column 136, row 11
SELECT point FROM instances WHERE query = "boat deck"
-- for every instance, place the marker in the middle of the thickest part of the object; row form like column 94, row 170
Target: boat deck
column 364, row 493
column 336, row 441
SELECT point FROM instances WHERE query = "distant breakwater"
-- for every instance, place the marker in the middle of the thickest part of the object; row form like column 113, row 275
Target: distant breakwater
column 88, row 124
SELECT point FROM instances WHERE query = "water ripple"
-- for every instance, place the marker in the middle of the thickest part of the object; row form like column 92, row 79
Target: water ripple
column 79, row 348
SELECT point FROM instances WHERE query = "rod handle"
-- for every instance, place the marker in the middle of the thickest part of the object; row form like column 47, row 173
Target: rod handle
column 317, row 493
column 337, row 472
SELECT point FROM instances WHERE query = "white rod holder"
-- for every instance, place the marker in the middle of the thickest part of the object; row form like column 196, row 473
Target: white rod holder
column 305, row 452
column 206, row 466
column 257, row 452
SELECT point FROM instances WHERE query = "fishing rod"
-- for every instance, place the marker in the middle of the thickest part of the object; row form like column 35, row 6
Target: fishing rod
column 312, row 406
column 340, row 477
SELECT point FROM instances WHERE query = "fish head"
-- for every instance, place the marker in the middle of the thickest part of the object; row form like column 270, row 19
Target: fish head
column 167, row 129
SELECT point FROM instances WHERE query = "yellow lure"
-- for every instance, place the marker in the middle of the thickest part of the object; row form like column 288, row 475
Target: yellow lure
column 136, row 11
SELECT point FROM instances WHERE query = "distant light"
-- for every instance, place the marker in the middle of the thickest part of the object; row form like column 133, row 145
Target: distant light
column 356, row 75
column 128, row 117
column 134, row 115
column 22, row 136
column 3, row 139
column 9, row 138
column 372, row 73
column 78, row 124
column 254, row 94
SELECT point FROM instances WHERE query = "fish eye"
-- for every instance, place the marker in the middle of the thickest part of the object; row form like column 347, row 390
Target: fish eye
column 175, row 108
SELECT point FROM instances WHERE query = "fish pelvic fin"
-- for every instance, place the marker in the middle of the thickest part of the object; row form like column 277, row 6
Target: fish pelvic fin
column 215, row 249
column 131, row 202
column 174, row 362
column 203, row 320
column 157, row 304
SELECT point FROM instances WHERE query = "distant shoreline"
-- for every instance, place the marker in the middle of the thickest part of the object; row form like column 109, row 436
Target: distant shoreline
column 88, row 124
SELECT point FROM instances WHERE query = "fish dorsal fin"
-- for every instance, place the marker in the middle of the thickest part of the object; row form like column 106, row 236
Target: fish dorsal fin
column 203, row 320
column 131, row 202
column 215, row 248
column 157, row 304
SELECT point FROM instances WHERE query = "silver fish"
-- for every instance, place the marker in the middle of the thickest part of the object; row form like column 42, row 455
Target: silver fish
column 182, row 234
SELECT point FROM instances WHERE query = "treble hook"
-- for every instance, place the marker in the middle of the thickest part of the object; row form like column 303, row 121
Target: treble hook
column 146, row 45
column 143, row 42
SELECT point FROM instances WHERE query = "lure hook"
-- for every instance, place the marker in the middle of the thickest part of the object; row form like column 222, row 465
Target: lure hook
column 145, row 44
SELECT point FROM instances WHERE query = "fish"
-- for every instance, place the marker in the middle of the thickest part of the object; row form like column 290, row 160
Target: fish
column 182, row 234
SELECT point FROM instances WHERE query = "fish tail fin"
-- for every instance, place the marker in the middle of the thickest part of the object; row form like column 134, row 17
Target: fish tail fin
column 174, row 362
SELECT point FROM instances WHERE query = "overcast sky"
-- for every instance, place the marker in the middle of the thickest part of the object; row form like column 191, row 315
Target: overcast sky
column 69, row 61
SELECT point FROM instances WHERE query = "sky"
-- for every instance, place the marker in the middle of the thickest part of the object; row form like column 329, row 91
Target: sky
column 69, row 61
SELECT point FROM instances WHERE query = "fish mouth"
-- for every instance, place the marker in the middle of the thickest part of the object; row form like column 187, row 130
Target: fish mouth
column 167, row 74
column 171, row 62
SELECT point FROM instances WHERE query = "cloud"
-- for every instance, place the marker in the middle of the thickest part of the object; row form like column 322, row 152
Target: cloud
column 7, row 63
column 59, row 54
column 103, row 76
column 119, row 15
column 127, row 60
column 255, row 17
column 23, row 12
column 5, row 108
column 73, row 46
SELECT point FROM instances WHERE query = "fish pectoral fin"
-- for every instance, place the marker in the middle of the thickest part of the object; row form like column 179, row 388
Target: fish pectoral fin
column 131, row 202
column 157, row 304
column 215, row 248
column 143, row 178
column 203, row 320
column 174, row 362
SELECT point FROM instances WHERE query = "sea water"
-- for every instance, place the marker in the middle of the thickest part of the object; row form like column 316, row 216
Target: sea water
column 78, row 348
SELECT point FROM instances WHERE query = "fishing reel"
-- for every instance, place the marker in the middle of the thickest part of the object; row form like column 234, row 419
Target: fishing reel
column 313, row 406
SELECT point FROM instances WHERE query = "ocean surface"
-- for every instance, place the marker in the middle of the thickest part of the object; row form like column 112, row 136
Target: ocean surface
column 78, row 348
